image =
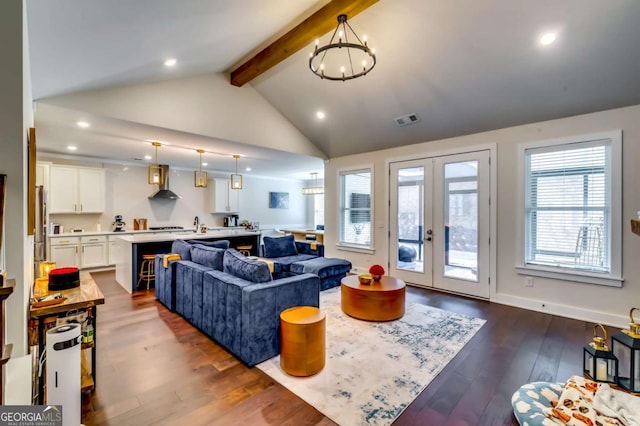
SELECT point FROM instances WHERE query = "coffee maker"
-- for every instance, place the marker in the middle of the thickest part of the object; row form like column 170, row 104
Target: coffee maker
column 231, row 220
column 118, row 224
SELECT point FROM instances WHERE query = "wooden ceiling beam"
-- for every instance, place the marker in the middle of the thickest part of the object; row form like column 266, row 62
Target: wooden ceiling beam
column 316, row 25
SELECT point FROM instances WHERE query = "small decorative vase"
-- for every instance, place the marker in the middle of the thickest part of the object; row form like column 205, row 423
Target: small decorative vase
column 377, row 277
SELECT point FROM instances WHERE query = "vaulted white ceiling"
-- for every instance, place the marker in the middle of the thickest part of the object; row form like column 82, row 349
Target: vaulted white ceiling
column 461, row 66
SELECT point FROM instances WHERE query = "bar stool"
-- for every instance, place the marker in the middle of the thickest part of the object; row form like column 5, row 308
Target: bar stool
column 245, row 250
column 147, row 269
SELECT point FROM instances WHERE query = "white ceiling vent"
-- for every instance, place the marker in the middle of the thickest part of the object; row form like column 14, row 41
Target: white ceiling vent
column 407, row 119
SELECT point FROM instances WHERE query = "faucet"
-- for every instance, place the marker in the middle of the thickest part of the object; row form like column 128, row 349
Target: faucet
column 196, row 223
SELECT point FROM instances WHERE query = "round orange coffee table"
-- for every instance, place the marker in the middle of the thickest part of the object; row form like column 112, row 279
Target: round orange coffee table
column 379, row 301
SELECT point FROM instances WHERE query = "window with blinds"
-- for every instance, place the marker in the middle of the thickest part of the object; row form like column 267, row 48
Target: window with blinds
column 355, row 208
column 318, row 210
column 568, row 206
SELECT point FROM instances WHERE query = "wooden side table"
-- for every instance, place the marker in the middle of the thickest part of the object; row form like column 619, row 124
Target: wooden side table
column 302, row 337
column 87, row 295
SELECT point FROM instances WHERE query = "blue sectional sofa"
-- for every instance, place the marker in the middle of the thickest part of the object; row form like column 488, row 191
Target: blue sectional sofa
column 237, row 300
column 241, row 305
column 190, row 278
column 298, row 257
column 233, row 299
column 284, row 251
column 331, row 271
column 165, row 280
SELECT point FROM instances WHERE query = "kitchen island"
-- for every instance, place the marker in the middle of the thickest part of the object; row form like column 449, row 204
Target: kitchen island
column 131, row 248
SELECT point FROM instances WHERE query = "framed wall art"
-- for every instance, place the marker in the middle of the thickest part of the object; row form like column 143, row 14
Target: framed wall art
column 278, row 200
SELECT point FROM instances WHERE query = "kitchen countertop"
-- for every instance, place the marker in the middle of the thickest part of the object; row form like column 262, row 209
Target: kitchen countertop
column 132, row 232
column 218, row 233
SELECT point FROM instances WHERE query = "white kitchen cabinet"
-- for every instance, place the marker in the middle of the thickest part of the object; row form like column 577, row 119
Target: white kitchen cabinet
column 93, row 251
column 76, row 189
column 64, row 251
column 223, row 199
column 42, row 175
column 114, row 253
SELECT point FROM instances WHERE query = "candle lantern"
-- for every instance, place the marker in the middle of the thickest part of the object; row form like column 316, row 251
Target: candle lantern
column 598, row 361
column 626, row 347
column 45, row 268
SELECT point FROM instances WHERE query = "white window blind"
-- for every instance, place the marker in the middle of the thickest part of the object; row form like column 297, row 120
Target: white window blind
column 568, row 206
column 355, row 208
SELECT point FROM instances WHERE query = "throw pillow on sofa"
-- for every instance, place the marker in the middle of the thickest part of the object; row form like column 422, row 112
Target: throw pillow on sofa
column 279, row 246
column 182, row 248
column 207, row 256
column 237, row 265
column 223, row 244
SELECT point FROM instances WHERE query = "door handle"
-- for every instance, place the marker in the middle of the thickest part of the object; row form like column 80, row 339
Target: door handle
column 429, row 233
column 428, row 239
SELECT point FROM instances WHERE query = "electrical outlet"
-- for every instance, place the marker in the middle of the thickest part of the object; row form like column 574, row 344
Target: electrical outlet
column 528, row 282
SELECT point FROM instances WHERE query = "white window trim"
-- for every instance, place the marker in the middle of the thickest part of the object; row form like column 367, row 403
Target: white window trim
column 357, row 248
column 614, row 278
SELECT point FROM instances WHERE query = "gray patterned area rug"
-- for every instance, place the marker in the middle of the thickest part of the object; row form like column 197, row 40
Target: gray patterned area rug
column 374, row 370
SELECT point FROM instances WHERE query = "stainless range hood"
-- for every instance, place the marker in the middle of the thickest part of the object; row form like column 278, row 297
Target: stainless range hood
column 164, row 193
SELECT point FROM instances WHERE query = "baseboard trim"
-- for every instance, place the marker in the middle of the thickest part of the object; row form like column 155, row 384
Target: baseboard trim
column 562, row 310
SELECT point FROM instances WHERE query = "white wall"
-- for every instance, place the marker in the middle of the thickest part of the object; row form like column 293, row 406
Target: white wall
column 127, row 191
column 204, row 105
column 16, row 117
column 584, row 301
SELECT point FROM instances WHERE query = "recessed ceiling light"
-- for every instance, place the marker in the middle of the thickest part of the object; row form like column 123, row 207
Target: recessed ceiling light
column 83, row 124
column 547, row 38
column 248, row 169
column 147, row 157
column 320, row 115
column 170, row 62
column 72, row 148
column 205, row 164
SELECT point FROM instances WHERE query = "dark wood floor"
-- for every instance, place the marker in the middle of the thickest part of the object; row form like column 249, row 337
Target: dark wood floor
column 155, row 368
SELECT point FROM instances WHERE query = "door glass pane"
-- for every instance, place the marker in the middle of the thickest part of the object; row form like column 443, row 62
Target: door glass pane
column 461, row 220
column 410, row 219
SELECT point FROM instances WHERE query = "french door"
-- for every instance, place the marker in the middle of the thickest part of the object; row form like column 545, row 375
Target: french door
column 440, row 222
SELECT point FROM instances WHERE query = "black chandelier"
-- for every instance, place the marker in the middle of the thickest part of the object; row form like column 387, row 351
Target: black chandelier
column 344, row 59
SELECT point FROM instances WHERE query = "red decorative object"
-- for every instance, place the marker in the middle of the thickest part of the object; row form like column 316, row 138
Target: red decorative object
column 376, row 270
column 63, row 278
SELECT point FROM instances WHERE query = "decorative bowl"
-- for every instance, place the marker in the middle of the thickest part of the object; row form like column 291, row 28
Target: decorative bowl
column 365, row 279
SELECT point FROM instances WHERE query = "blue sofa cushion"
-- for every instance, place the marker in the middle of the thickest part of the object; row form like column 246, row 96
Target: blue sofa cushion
column 237, row 265
column 306, row 247
column 182, row 248
column 322, row 266
column 223, row 244
column 285, row 262
column 279, row 246
column 207, row 256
